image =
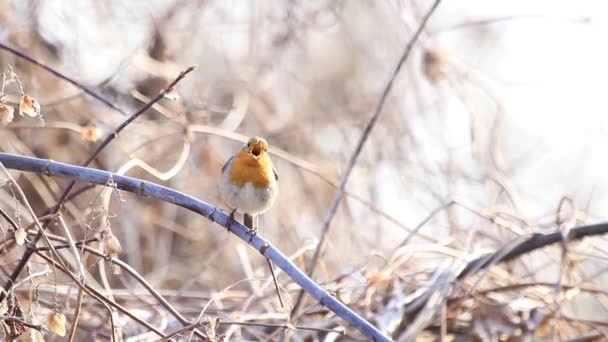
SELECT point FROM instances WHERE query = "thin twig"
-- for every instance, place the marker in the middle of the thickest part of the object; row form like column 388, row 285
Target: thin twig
column 151, row 190
column 78, row 94
column 81, row 274
column 30, row 251
column 67, row 245
column 62, row 76
column 37, row 224
column 76, row 315
column 124, row 266
column 100, row 297
column 518, row 287
column 253, row 324
column 81, row 271
column 78, row 192
column 276, row 284
column 31, row 276
column 182, row 330
column 491, row 21
column 284, row 326
column 24, row 323
column 9, row 219
column 143, row 109
column 424, row 222
column 353, row 159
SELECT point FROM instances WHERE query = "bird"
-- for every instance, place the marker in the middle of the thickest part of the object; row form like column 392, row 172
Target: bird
column 248, row 183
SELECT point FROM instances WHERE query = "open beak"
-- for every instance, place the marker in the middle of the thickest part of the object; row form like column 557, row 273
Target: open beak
column 256, row 150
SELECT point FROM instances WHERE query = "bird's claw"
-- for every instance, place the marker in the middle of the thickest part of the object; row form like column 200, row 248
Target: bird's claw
column 253, row 232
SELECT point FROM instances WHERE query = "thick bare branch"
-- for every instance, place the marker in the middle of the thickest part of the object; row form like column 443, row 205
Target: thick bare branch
column 152, row 190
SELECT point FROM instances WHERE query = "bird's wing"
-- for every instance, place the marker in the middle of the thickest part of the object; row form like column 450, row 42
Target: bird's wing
column 276, row 175
column 227, row 163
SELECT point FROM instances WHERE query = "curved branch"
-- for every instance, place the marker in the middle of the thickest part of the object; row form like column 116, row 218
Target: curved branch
column 536, row 241
column 64, row 195
column 148, row 189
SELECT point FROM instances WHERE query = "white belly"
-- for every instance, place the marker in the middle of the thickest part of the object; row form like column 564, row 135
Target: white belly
column 246, row 199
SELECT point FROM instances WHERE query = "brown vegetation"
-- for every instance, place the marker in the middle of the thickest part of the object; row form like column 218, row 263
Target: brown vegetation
column 435, row 234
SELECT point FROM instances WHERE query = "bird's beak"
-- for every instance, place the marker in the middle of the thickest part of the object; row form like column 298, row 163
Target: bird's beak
column 256, row 150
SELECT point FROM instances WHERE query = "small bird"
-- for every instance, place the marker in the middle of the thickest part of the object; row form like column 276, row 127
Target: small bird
column 249, row 182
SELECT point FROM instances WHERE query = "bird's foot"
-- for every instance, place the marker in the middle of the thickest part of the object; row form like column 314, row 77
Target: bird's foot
column 253, row 232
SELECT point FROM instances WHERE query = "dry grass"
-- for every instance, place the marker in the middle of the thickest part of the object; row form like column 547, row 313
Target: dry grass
column 435, row 187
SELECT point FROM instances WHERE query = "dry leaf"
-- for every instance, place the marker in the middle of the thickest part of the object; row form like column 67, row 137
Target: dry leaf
column 90, row 133
column 56, row 323
column 7, row 113
column 112, row 246
column 29, row 106
column 211, row 330
column 434, row 62
column 20, row 236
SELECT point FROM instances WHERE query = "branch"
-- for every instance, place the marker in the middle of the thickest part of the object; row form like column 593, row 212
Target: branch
column 148, row 189
column 62, row 76
column 31, row 246
column 24, row 323
column 536, row 241
column 126, row 267
column 353, row 159
column 100, row 297
column 144, row 108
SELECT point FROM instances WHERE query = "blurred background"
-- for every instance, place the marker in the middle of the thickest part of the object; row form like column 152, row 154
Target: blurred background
column 496, row 126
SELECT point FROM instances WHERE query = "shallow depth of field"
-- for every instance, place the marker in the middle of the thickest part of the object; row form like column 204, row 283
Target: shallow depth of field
column 495, row 129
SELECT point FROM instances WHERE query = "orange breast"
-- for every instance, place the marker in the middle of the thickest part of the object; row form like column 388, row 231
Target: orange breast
column 247, row 169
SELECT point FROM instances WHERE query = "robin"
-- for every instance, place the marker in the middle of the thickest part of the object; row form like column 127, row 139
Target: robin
column 249, row 182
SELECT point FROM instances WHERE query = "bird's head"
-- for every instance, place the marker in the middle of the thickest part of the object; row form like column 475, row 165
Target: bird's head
column 256, row 146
